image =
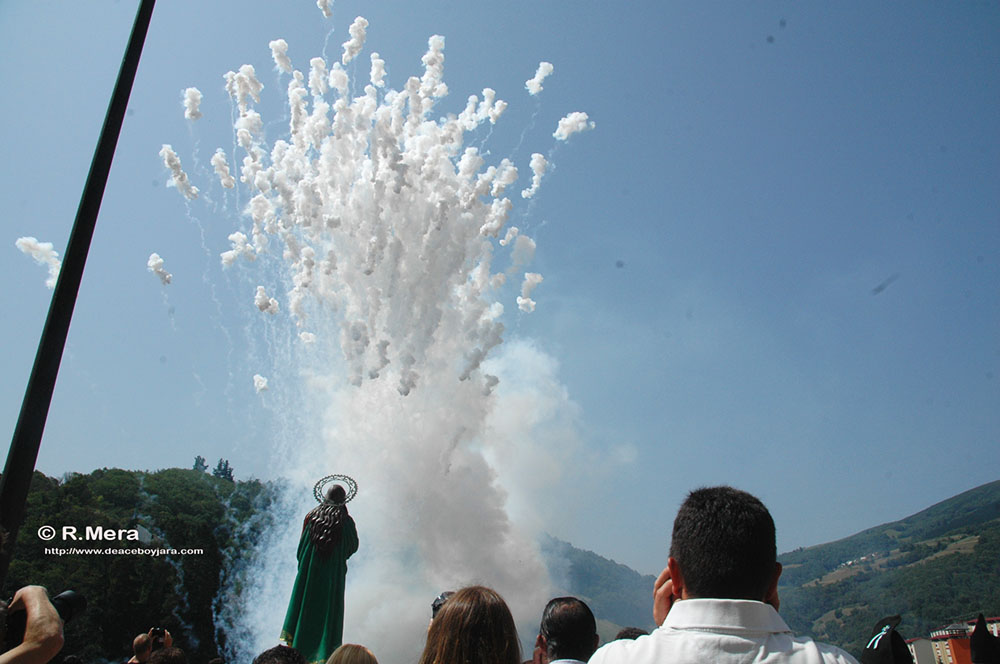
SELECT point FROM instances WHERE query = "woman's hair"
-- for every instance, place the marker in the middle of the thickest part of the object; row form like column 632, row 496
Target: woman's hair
column 473, row 627
column 352, row 653
column 325, row 522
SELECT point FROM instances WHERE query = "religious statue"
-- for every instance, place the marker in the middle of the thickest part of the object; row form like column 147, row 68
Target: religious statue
column 314, row 622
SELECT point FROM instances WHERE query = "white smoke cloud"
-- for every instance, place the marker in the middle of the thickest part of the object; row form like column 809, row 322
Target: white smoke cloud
column 317, row 77
column 221, row 165
column 259, row 383
column 538, row 166
column 534, row 85
column 524, row 302
column 512, row 233
column 389, row 246
column 266, row 304
column 326, row 6
column 571, row 124
column 378, row 71
column 242, row 85
column 354, row 45
column 155, row 265
column 192, row 101
column 523, row 253
column 279, row 53
column 44, row 254
column 431, row 83
column 240, row 248
column 178, row 178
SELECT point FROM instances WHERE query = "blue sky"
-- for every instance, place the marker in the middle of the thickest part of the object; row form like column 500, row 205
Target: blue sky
column 774, row 262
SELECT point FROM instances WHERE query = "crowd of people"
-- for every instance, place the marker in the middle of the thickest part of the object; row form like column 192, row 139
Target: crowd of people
column 715, row 601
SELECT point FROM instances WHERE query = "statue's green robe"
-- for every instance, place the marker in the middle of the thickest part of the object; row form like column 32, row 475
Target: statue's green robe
column 314, row 623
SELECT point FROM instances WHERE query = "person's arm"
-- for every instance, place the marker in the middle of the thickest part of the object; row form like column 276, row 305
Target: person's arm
column 350, row 536
column 43, row 633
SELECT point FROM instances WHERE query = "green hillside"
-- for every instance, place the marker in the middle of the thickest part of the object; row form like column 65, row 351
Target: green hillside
column 617, row 594
column 936, row 567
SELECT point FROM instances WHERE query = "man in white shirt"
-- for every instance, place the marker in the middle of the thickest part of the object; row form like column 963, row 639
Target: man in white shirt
column 567, row 634
column 717, row 599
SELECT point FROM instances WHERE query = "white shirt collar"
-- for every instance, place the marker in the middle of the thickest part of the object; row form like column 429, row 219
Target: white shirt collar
column 729, row 615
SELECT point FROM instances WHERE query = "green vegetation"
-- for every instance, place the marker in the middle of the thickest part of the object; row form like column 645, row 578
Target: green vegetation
column 615, row 593
column 128, row 594
column 936, row 567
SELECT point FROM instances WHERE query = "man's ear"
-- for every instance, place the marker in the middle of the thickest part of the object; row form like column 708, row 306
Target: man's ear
column 772, row 589
column 677, row 578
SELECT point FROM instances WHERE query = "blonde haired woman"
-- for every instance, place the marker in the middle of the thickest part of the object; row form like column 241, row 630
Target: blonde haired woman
column 351, row 653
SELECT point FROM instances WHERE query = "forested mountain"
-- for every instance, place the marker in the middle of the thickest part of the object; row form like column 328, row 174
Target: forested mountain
column 128, row 594
column 618, row 595
column 935, row 567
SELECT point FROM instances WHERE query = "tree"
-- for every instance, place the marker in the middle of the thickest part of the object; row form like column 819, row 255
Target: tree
column 223, row 470
column 199, row 464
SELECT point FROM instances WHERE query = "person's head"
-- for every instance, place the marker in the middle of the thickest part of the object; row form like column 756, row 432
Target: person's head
column 336, row 494
column 169, row 655
column 568, row 630
column 630, row 633
column 474, row 625
column 142, row 647
column 352, row 653
column 280, row 654
column 723, row 546
column 439, row 602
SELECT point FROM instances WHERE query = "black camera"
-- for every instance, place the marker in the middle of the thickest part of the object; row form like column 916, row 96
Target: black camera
column 156, row 636
column 68, row 603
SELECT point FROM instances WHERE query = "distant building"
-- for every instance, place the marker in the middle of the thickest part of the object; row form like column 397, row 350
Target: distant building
column 949, row 645
column 922, row 651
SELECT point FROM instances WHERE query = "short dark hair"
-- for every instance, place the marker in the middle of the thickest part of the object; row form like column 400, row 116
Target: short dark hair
column 280, row 654
column 171, row 655
column 630, row 633
column 723, row 541
column 569, row 629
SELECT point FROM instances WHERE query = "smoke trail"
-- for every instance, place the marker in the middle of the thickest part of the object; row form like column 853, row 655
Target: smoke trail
column 386, row 229
column 178, row 178
column 221, row 165
column 538, row 166
column 192, row 100
column 571, row 124
column 43, row 254
column 534, row 86
column 279, row 51
column 155, row 265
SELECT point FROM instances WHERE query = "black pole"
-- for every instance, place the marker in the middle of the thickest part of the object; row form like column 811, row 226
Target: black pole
column 38, row 396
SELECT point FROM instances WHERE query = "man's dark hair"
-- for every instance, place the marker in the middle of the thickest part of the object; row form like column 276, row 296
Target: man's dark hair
column 439, row 602
column 280, row 655
column 630, row 633
column 569, row 629
column 723, row 541
column 171, row 655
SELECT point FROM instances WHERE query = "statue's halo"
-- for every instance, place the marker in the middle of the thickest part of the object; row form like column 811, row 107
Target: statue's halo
column 349, row 483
